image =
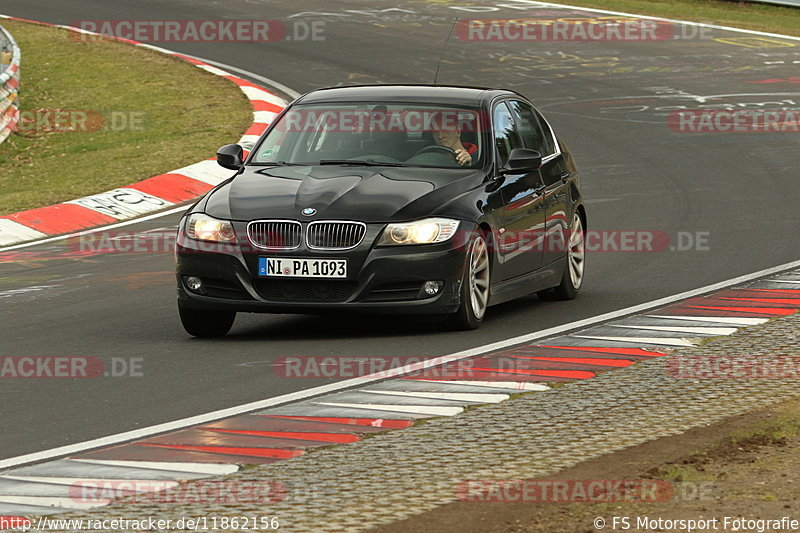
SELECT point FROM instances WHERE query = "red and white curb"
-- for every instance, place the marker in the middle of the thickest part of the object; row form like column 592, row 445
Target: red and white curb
column 218, row 447
column 152, row 194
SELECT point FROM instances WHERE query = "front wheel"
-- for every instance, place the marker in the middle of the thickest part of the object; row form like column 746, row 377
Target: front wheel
column 572, row 279
column 474, row 287
column 202, row 323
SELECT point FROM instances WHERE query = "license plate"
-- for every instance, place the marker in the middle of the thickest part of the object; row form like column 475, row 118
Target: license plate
column 282, row 267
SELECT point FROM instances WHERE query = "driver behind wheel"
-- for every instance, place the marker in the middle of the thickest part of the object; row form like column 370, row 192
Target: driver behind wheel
column 448, row 134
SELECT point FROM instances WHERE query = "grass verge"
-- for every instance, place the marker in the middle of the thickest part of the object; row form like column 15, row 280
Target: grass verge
column 133, row 113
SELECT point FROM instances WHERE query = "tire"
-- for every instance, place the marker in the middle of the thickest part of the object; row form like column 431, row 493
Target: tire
column 474, row 286
column 201, row 323
column 574, row 270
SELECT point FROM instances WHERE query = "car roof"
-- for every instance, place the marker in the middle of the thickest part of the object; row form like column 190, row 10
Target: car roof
column 433, row 94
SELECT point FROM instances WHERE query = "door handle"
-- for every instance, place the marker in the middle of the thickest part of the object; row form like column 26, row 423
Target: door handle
column 565, row 176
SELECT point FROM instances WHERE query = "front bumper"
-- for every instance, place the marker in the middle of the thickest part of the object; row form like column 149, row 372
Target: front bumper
column 380, row 279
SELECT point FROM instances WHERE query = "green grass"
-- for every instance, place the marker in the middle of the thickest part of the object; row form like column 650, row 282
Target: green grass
column 185, row 114
column 774, row 19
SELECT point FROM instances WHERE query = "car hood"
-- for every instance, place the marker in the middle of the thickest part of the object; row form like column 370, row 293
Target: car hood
column 368, row 194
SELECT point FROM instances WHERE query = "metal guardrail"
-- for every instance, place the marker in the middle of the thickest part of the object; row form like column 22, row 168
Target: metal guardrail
column 9, row 84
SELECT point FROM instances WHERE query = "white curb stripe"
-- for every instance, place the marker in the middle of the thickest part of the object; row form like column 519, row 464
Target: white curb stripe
column 783, row 281
column 512, row 385
column 207, row 171
column 263, row 117
column 212, row 469
column 133, row 485
column 412, row 409
column 666, row 341
column 11, row 232
column 476, row 397
column 122, row 203
column 51, row 501
column 254, row 93
column 744, row 321
column 680, row 329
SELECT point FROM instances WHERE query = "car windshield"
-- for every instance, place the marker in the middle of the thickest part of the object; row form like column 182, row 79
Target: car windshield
column 374, row 134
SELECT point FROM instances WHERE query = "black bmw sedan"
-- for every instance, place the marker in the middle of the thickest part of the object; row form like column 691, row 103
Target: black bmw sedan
column 391, row 198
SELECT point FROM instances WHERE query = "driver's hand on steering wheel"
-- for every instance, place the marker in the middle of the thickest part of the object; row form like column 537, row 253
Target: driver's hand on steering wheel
column 463, row 157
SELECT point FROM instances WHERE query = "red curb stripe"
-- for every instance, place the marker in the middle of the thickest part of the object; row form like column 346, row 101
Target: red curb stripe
column 620, row 363
column 241, row 82
column 750, row 310
column 320, row 437
column 374, row 422
column 786, row 301
column 257, row 129
column 776, row 291
column 263, row 105
column 60, row 218
column 599, row 349
column 572, row 374
column 251, row 452
column 172, row 187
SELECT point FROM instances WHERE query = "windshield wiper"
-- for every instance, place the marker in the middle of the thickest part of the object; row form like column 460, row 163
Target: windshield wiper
column 279, row 164
column 360, row 162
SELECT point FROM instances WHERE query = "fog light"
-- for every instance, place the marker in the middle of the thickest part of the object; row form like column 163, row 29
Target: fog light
column 431, row 288
column 194, row 283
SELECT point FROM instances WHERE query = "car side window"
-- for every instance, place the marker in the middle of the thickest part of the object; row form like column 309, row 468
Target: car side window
column 506, row 137
column 534, row 134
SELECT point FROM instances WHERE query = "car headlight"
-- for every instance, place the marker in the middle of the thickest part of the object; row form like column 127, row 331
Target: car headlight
column 426, row 231
column 202, row 227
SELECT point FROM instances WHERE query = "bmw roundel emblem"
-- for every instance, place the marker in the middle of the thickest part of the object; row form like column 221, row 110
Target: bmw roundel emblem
column 308, row 211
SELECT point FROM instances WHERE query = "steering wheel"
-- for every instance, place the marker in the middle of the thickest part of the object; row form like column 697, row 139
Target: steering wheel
column 437, row 148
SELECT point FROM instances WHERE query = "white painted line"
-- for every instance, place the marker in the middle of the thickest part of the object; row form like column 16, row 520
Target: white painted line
column 680, row 329
column 411, row 409
column 212, row 469
column 11, row 232
column 477, row 397
column 141, row 433
column 744, row 321
column 51, row 501
column 135, row 485
column 783, row 281
column 665, row 341
column 512, row 385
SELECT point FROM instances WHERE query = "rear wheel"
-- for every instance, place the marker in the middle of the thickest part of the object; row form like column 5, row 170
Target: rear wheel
column 572, row 279
column 202, row 323
column 474, row 286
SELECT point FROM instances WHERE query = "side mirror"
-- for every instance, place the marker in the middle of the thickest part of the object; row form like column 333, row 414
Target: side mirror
column 230, row 156
column 523, row 160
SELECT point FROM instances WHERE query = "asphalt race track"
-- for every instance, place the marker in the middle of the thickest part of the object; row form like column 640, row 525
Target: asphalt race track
column 727, row 202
